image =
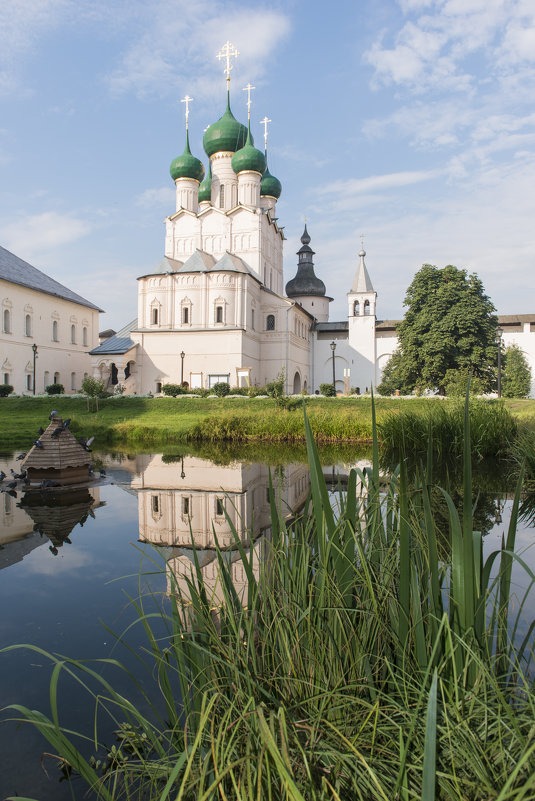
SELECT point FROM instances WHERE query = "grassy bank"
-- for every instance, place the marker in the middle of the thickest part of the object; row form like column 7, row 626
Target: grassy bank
column 163, row 422
column 355, row 664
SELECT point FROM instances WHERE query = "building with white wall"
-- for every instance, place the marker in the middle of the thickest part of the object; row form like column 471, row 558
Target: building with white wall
column 38, row 311
column 216, row 309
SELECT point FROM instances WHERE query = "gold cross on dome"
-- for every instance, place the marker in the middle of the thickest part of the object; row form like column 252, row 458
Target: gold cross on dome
column 264, row 122
column 227, row 52
column 248, row 89
column 187, row 100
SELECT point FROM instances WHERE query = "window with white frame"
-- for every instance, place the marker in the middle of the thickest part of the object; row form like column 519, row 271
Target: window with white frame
column 73, row 380
column 73, row 334
column 28, row 325
column 7, row 321
column 219, row 314
column 28, row 382
column 84, row 336
column 270, row 322
column 55, row 336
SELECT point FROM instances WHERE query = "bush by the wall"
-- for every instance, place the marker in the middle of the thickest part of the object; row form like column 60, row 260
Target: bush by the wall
column 173, row 390
column 221, row 389
column 55, row 389
column 5, row 390
column 328, row 390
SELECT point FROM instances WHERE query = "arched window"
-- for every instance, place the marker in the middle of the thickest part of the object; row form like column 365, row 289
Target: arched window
column 56, row 378
column 73, row 380
column 270, row 322
column 155, row 316
column 73, row 334
column 185, row 315
column 356, row 309
column 158, row 387
column 222, row 196
column 7, row 321
column 28, row 325
column 84, row 335
column 55, row 331
column 366, row 307
column 47, row 379
column 28, row 381
column 219, row 314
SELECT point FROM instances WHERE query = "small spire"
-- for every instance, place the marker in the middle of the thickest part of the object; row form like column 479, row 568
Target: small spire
column 187, row 100
column 362, row 281
column 265, row 122
column 362, row 251
column 248, row 89
column 227, row 52
column 305, row 239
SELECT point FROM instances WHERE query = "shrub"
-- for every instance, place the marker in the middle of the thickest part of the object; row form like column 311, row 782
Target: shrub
column 456, row 382
column 240, row 391
column 173, row 390
column 516, row 379
column 221, row 389
column 5, row 390
column 55, row 389
column 275, row 389
column 328, row 390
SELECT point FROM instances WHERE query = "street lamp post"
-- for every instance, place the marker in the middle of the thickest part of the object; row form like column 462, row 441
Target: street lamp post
column 333, row 348
column 499, row 334
column 34, row 348
column 182, row 368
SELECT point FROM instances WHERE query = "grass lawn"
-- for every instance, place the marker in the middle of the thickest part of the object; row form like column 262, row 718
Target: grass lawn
column 168, row 421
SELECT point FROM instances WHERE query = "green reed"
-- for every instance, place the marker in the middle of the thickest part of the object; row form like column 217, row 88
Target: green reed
column 355, row 664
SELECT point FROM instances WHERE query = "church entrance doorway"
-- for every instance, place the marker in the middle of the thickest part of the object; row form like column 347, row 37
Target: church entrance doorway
column 297, row 384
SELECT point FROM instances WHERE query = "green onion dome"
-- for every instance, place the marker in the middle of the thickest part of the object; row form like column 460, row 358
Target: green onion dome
column 205, row 189
column 269, row 185
column 227, row 134
column 249, row 158
column 186, row 165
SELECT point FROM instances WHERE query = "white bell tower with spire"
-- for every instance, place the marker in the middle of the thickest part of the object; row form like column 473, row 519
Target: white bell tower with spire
column 361, row 300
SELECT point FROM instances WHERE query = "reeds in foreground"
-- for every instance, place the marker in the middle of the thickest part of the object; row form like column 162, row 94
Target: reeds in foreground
column 357, row 665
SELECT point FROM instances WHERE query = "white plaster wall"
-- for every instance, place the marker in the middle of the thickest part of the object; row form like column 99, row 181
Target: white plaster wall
column 63, row 356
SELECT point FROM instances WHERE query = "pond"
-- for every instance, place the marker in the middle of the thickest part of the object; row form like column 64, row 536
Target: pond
column 70, row 562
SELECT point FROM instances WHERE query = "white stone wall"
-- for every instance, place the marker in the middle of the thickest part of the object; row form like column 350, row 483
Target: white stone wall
column 53, row 324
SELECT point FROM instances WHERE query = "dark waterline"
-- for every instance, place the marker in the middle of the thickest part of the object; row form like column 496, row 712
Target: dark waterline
column 57, row 594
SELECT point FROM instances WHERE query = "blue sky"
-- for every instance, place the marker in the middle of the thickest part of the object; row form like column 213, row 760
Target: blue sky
column 410, row 121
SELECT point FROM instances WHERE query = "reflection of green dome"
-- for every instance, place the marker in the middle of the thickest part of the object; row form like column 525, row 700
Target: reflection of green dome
column 186, row 165
column 269, row 185
column 227, row 134
column 205, row 189
column 249, row 158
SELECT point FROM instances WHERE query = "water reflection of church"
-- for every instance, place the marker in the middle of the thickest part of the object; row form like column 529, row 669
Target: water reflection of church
column 193, row 503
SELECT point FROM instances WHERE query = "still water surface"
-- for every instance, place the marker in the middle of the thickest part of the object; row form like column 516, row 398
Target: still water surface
column 68, row 564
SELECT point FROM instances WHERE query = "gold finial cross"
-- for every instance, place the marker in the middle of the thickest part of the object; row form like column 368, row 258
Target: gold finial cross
column 264, row 122
column 248, row 89
column 227, row 52
column 187, row 100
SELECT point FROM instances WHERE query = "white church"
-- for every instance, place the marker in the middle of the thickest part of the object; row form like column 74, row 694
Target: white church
column 216, row 308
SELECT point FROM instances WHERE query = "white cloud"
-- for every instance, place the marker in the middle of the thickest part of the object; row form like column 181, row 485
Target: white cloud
column 154, row 64
column 359, row 186
column 163, row 196
column 32, row 235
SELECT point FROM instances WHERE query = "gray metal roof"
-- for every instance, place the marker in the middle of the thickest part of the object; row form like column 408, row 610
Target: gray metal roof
column 120, row 343
column 17, row 271
column 343, row 325
column 165, row 267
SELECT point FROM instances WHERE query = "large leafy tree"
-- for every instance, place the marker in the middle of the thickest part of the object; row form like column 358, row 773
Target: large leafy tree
column 516, row 374
column 450, row 325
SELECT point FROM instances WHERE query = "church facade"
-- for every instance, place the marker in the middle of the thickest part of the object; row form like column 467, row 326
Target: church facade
column 216, row 308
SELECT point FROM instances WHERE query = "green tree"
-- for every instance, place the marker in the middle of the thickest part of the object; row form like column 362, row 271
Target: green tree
column 92, row 388
column 516, row 374
column 450, row 324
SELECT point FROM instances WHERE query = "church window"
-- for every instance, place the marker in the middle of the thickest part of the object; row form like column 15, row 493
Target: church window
column 73, row 381
column 356, row 309
column 222, row 196
column 47, row 378
column 28, row 381
column 7, row 321
column 155, row 504
column 366, row 307
column 252, row 319
column 270, row 322
column 155, row 316
column 6, row 378
column 56, row 378
column 219, row 507
column 84, row 335
column 185, row 315
column 219, row 314
column 73, row 335
column 185, row 506
column 28, row 325
column 55, row 330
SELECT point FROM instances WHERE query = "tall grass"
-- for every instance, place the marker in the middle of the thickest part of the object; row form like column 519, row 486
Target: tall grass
column 356, row 664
